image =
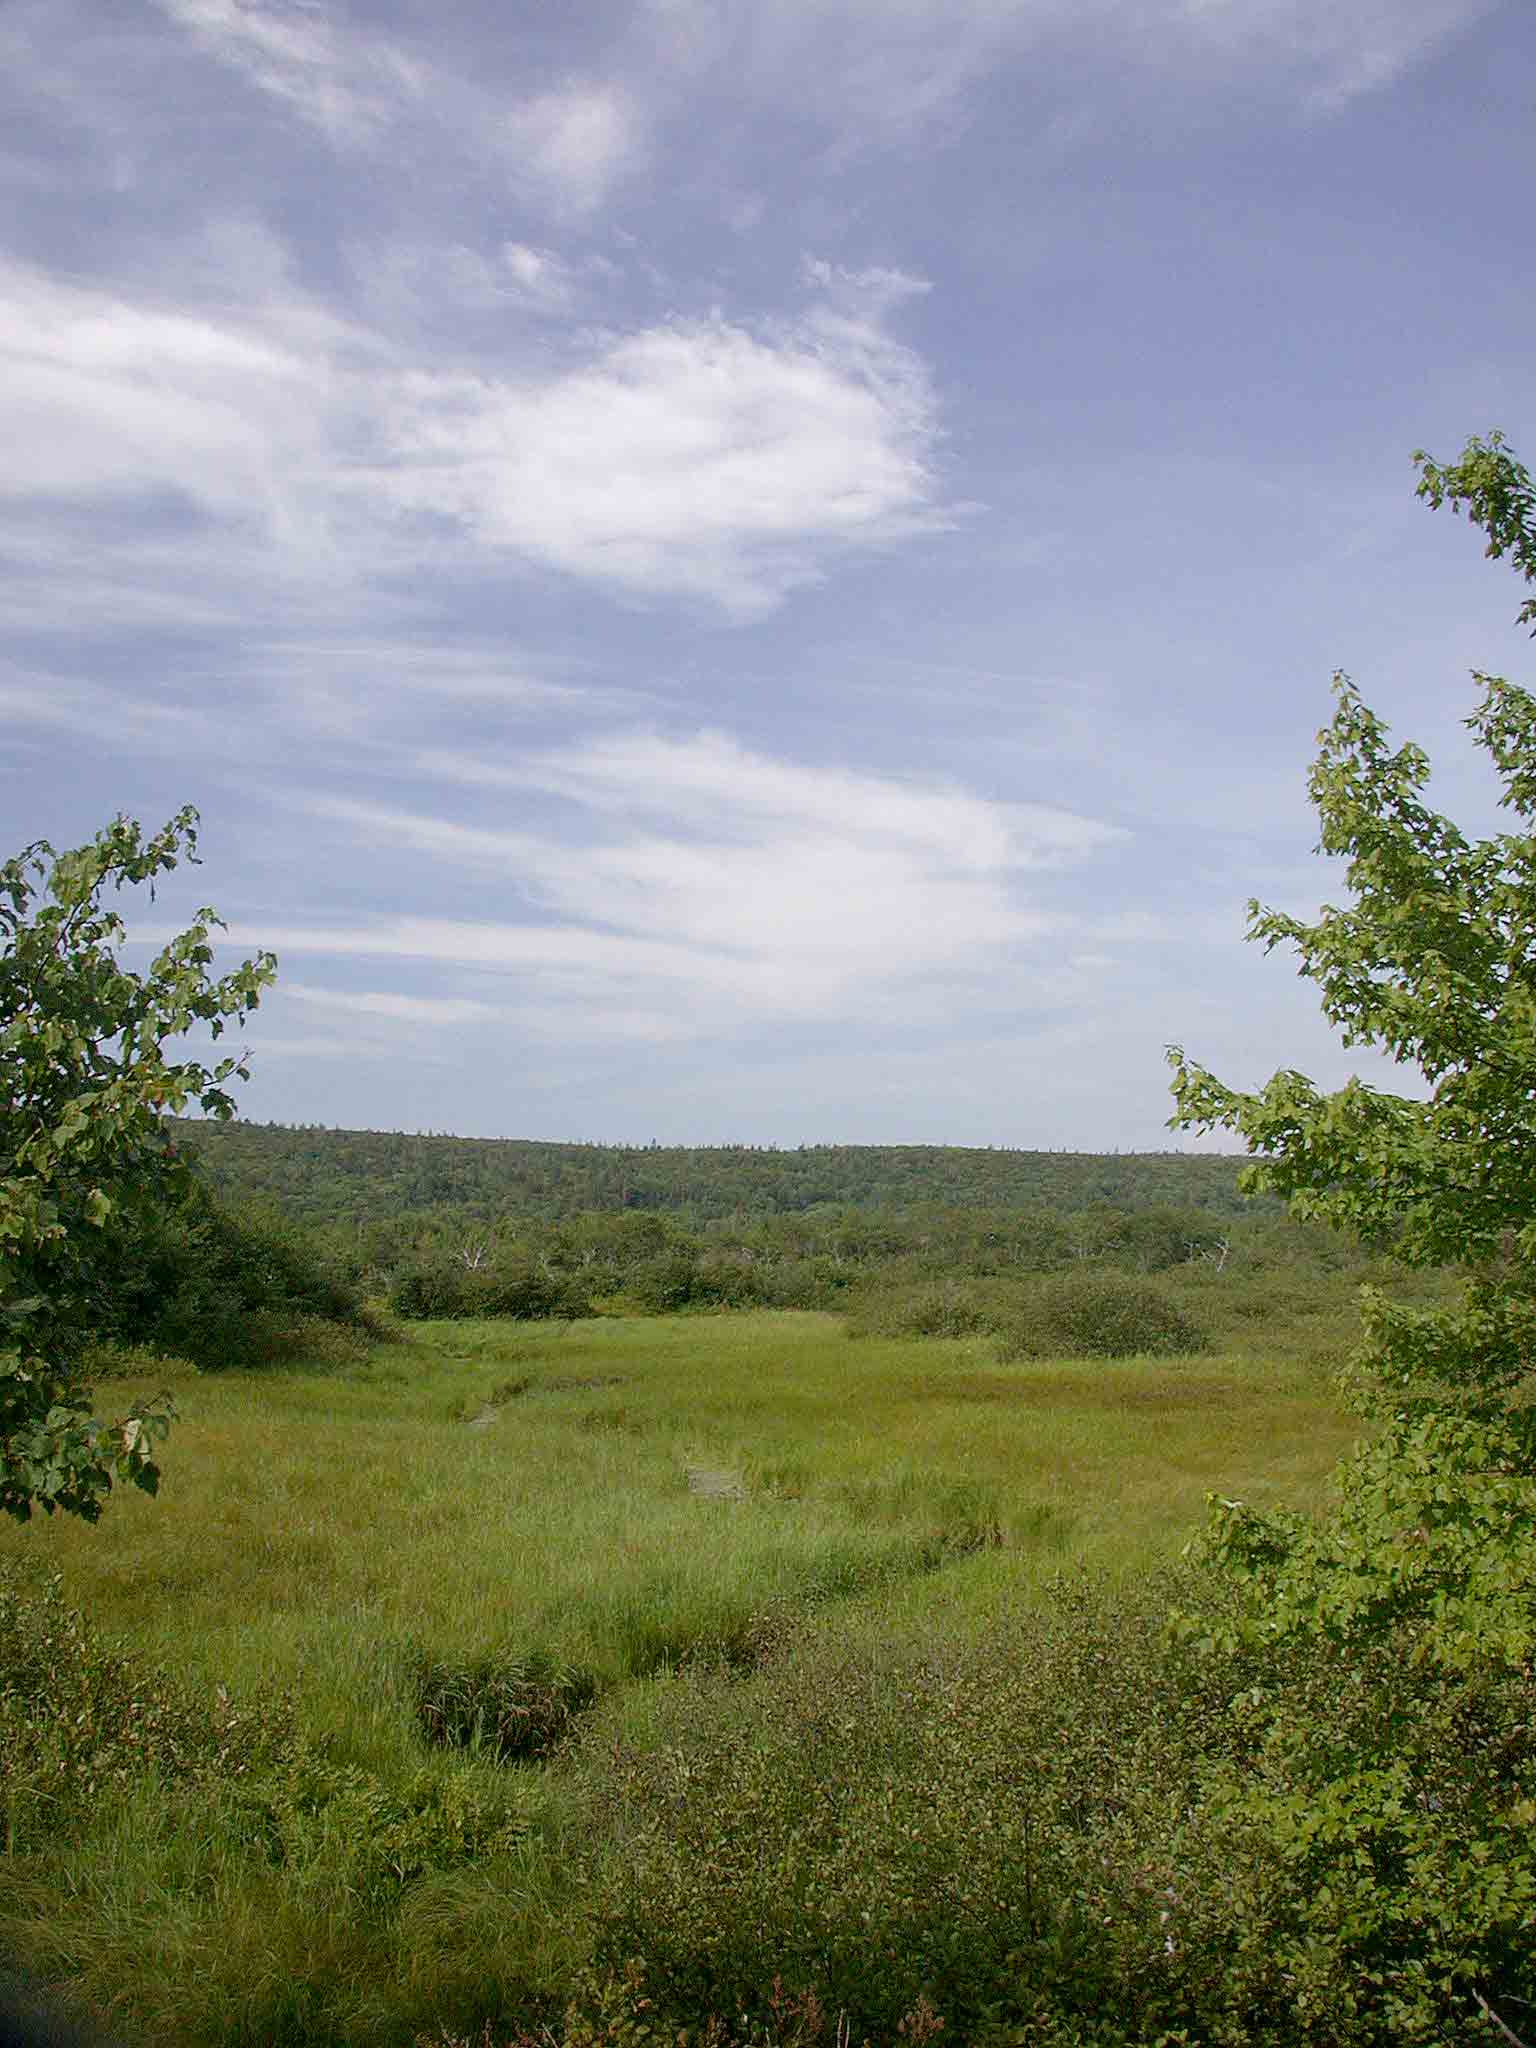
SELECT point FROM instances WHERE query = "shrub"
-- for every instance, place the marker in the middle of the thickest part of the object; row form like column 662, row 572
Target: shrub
column 1070, row 1831
column 661, row 1286
column 938, row 1309
column 1097, row 1315
column 222, row 1287
column 994, row 1832
column 428, row 1288
column 438, row 1286
column 80, row 1720
column 105, row 1360
column 804, row 1283
column 724, row 1281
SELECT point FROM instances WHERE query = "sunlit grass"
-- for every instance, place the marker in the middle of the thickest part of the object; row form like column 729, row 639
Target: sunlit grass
column 491, row 1486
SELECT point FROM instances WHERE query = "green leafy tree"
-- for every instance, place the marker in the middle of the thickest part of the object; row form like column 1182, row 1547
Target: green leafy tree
column 86, row 1083
column 1384, row 1689
column 1434, row 961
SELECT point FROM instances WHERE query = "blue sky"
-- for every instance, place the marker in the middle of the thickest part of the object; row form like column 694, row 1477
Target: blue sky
column 736, row 573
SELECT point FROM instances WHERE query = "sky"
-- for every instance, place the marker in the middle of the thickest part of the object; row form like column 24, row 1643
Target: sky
column 727, row 573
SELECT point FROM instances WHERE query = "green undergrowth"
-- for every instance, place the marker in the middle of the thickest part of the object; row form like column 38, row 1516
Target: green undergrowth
column 1052, row 1826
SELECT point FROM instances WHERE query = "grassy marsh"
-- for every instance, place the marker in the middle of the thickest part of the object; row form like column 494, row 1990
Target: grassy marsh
column 622, row 1499
column 480, row 1485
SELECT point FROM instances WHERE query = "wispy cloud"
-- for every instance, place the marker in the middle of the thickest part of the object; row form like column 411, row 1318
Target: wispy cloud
column 433, row 1012
column 711, row 783
column 871, row 72
column 1327, row 52
column 348, row 85
column 705, row 886
column 564, row 144
column 698, row 458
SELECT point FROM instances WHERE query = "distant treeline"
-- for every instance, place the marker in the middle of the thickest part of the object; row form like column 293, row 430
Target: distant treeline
column 357, row 1177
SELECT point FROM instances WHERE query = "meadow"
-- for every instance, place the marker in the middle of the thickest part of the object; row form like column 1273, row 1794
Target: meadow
column 407, row 1636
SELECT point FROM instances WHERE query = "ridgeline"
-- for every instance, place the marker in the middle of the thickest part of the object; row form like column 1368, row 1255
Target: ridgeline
column 364, row 1176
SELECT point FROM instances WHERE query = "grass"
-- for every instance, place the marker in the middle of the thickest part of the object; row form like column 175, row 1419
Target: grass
column 479, row 1488
column 598, row 1505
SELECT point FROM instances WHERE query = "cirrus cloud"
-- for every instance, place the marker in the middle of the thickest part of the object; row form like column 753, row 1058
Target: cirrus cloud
column 699, row 458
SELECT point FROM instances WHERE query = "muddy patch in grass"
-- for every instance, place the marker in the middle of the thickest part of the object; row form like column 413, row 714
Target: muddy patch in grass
column 712, row 1483
column 481, row 1411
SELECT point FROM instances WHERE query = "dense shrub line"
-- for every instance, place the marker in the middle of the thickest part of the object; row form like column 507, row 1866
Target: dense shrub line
column 220, row 1287
column 1086, row 1285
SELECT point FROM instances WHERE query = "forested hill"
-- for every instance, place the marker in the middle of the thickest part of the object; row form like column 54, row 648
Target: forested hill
column 358, row 1176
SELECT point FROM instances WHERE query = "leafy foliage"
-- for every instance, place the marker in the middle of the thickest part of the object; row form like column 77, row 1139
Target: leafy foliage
column 1396, row 1774
column 85, row 1087
column 1067, row 1832
column 1432, row 960
column 222, row 1288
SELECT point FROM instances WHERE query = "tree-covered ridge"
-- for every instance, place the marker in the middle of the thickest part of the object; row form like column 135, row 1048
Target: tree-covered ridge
column 358, row 1176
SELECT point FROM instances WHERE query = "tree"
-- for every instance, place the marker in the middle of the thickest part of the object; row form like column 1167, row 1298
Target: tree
column 1434, row 961
column 1384, row 1674
column 86, row 1083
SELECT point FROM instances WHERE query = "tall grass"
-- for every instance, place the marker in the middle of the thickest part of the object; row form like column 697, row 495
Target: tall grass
column 484, row 1529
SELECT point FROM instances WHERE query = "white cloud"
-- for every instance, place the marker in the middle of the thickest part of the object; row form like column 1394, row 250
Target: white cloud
column 348, row 86
column 106, row 399
column 91, row 711
column 873, row 71
column 1330, row 51
column 694, row 458
column 697, row 457
column 706, row 888
column 387, row 1004
column 710, row 783
column 566, row 145
column 573, row 143
column 867, row 293
column 538, row 276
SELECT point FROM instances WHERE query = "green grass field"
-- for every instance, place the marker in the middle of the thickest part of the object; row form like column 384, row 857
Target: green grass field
column 619, row 1494
column 609, row 1503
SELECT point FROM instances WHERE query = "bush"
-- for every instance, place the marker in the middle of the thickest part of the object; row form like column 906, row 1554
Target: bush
column 1070, row 1832
column 1097, row 1315
column 80, row 1720
column 104, row 1360
column 994, row 1832
column 438, row 1286
column 939, row 1309
column 222, row 1287
column 661, row 1286
column 804, row 1283
column 724, row 1281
